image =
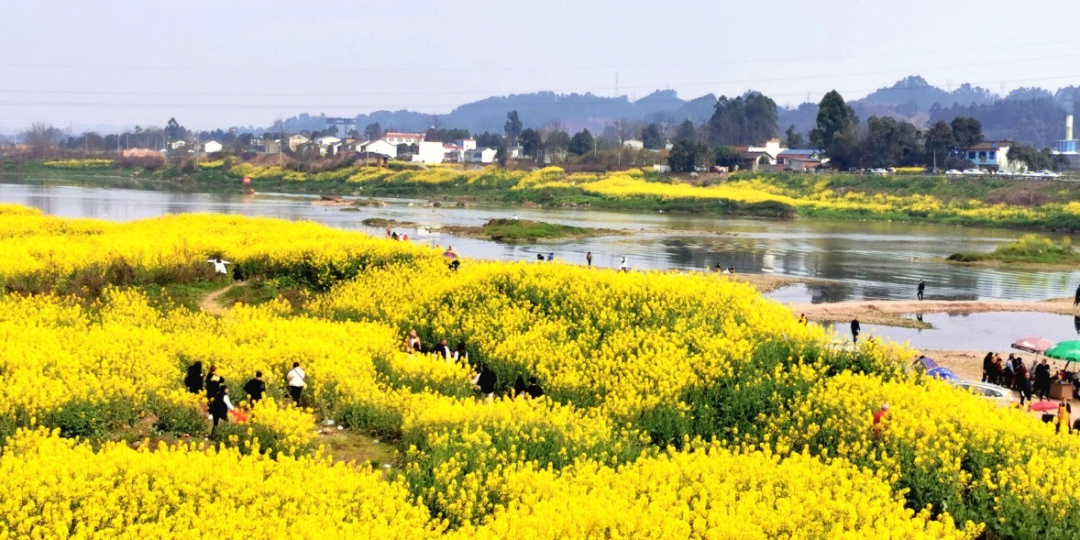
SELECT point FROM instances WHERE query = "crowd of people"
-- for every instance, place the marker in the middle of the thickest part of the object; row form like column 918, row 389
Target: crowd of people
column 485, row 381
column 219, row 403
column 1013, row 374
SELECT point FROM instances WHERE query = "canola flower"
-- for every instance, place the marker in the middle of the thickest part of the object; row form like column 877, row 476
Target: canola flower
column 59, row 488
column 637, row 369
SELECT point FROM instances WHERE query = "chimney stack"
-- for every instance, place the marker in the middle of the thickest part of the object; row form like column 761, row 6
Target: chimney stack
column 1068, row 127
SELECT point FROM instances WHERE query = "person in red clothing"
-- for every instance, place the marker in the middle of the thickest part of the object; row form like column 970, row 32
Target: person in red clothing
column 881, row 420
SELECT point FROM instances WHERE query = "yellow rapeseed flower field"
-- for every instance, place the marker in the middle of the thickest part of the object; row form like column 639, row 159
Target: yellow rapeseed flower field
column 674, row 406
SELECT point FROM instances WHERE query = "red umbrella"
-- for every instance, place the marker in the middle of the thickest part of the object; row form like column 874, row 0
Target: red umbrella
column 449, row 254
column 1043, row 406
column 1032, row 344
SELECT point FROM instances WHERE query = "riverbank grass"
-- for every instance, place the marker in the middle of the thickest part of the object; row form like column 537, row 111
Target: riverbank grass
column 527, row 230
column 1031, row 249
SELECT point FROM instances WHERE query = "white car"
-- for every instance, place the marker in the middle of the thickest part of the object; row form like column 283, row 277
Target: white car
column 880, row 172
column 1049, row 174
column 974, row 172
column 953, row 172
column 998, row 394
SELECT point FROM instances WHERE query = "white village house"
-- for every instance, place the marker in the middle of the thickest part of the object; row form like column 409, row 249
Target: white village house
column 395, row 138
column 381, row 147
column 429, row 152
column 210, row 147
column 480, row 155
column 993, row 156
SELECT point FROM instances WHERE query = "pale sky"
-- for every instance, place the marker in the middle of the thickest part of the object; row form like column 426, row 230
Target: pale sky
column 223, row 63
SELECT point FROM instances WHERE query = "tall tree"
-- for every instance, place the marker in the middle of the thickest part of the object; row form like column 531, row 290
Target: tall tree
column 792, row 138
column 581, row 143
column 531, row 144
column 373, row 131
column 556, row 142
column 725, row 156
column 686, row 132
column 652, row 137
column 745, row 120
column 967, row 131
column 939, row 144
column 174, row 130
column 685, row 156
column 892, row 143
column 834, row 116
column 512, row 127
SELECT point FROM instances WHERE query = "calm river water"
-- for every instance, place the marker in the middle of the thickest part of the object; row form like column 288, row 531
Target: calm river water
column 868, row 260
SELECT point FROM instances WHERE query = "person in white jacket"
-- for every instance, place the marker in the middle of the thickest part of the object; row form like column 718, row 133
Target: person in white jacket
column 219, row 265
column 297, row 380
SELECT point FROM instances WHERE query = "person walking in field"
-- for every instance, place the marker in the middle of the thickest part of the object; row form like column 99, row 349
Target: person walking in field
column 297, row 380
column 1064, row 410
column 623, row 266
column 220, row 406
column 881, row 420
column 213, row 383
column 255, row 388
column 921, row 289
column 485, row 382
column 193, row 381
column 533, row 390
column 412, row 343
column 219, row 265
column 855, row 329
column 588, row 259
column 444, row 351
column 461, row 355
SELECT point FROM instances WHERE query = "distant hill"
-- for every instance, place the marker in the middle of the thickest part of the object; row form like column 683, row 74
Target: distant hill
column 1031, row 115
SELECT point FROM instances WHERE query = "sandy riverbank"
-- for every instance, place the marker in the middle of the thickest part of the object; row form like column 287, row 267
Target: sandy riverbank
column 891, row 312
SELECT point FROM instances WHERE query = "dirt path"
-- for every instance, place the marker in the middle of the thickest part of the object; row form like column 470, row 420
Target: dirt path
column 889, row 312
column 210, row 304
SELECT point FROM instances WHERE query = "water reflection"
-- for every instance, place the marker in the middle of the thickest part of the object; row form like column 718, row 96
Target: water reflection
column 870, row 260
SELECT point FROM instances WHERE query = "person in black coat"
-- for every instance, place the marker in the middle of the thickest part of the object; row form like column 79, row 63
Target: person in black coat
column 213, row 383
column 486, row 381
column 194, row 378
column 533, row 390
column 1042, row 380
column 220, row 407
column 519, row 386
column 988, row 367
column 255, row 388
column 855, row 329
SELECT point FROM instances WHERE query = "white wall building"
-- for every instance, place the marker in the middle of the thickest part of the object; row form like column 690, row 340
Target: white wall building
column 395, row 137
column 429, row 152
column 210, row 147
column 480, row 155
column 992, row 155
column 633, row 144
column 381, row 147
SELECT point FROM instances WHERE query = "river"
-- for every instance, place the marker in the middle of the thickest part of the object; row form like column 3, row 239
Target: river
column 866, row 260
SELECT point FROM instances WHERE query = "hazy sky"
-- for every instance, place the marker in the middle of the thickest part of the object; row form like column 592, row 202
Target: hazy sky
column 222, row 63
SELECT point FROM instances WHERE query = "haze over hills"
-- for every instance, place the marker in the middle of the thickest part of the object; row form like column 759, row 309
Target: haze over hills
column 1031, row 115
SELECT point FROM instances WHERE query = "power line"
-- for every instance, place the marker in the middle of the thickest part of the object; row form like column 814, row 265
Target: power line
column 792, row 78
column 475, row 68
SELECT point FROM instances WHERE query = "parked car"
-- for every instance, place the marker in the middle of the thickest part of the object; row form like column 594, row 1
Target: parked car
column 974, row 172
column 998, row 394
column 953, row 172
column 1049, row 174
